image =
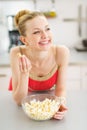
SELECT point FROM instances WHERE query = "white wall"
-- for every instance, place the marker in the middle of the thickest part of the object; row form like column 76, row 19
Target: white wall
column 63, row 32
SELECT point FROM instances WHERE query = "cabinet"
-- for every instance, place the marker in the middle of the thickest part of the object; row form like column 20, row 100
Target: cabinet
column 5, row 74
column 77, row 77
column 84, row 77
column 74, row 77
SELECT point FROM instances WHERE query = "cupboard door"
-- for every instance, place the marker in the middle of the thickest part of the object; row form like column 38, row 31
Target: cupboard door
column 84, row 77
column 5, row 74
column 73, row 85
column 74, row 77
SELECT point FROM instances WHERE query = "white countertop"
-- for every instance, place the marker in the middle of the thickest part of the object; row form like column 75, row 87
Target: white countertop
column 76, row 58
column 12, row 117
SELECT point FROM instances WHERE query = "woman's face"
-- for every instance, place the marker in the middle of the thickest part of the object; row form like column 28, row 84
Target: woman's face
column 38, row 33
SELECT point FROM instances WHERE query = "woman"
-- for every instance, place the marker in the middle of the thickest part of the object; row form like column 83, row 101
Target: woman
column 37, row 65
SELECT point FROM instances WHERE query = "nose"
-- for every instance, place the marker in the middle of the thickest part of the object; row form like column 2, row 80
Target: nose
column 44, row 34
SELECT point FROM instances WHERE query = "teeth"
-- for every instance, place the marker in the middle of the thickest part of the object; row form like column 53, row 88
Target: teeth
column 43, row 42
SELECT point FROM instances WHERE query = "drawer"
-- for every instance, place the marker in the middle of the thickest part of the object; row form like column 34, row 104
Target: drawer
column 5, row 74
column 84, row 77
column 74, row 72
column 73, row 85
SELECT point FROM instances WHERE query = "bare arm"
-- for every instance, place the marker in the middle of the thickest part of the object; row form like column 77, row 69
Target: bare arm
column 62, row 59
column 20, row 73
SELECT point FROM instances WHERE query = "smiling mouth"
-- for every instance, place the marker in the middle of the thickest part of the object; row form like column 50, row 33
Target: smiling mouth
column 44, row 42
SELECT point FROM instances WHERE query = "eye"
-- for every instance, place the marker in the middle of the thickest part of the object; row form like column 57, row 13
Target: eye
column 36, row 32
column 48, row 29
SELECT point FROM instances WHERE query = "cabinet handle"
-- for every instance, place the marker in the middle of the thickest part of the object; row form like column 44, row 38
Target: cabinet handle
column 3, row 75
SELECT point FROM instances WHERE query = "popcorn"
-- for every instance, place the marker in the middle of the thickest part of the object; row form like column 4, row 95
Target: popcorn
column 41, row 110
column 19, row 55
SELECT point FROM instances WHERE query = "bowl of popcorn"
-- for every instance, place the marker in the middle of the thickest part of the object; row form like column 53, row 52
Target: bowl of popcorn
column 41, row 106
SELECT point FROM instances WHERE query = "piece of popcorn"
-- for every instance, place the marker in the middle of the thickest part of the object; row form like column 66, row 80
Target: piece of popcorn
column 19, row 55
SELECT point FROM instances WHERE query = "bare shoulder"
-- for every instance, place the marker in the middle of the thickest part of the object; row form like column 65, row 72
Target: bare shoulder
column 62, row 50
column 62, row 54
column 15, row 50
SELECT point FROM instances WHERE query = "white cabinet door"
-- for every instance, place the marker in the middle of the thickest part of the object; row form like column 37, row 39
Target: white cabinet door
column 74, row 77
column 5, row 74
column 84, row 77
column 73, row 85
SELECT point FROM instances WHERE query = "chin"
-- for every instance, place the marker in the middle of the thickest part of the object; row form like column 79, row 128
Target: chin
column 46, row 47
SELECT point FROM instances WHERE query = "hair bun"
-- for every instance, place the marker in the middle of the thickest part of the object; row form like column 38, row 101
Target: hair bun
column 20, row 14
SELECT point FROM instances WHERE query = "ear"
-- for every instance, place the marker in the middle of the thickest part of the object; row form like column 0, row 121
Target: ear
column 23, row 39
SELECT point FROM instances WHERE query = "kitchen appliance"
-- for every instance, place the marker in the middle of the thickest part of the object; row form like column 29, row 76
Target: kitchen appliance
column 13, row 32
column 80, row 47
column 14, row 39
column 84, row 41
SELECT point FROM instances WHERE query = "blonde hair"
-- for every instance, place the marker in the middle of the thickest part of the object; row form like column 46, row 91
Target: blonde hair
column 22, row 17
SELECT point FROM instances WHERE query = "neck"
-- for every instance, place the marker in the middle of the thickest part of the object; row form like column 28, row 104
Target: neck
column 38, row 55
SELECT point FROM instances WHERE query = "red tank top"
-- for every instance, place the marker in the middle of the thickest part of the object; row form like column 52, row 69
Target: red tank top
column 41, row 83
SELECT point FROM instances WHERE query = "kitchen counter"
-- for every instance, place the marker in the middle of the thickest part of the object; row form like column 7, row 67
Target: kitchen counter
column 75, row 58
column 78, row 57
column 12, row 117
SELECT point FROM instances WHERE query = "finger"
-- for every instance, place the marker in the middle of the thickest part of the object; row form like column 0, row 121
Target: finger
column 59, row 116
column 22, row 62
column 28, row 64
column 20, row 66
column 61, row 112
column 63, row 108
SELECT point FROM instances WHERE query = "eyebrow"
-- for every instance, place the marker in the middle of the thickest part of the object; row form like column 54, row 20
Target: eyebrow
column 39, row 28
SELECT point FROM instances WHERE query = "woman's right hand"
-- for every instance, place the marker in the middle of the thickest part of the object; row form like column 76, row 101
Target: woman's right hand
column 24, row 63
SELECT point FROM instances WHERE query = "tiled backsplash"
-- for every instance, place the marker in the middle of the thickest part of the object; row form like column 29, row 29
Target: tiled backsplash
column 63, row 32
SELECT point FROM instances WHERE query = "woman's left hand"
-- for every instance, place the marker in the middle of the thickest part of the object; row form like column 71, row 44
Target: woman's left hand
column 61, row 113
